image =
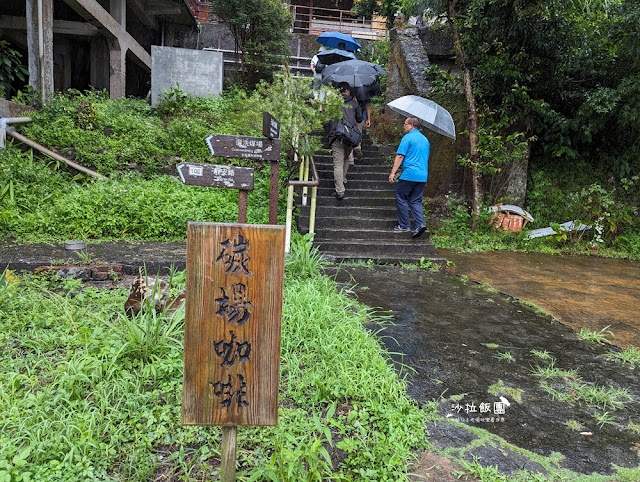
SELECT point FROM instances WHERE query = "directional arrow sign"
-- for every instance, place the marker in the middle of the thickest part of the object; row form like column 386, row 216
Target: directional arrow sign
column 211, row 175
column 241, row 147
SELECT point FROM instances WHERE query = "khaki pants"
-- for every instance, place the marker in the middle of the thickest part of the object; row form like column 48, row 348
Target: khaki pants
column 340, row 154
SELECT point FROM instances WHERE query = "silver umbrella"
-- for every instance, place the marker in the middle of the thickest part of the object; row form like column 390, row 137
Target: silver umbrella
column 357, row 73
column 431, row 115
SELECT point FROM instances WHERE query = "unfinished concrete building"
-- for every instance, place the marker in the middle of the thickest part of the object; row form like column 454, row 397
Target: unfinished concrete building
column 103, row 44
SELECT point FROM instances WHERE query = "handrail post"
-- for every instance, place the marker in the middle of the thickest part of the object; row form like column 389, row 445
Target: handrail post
column 312, row 210
column 289, row 220
column 4, row 125
column 305, row 177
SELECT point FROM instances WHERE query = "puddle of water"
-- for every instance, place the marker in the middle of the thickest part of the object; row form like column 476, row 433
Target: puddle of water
column 458, row 337
column 581, row 292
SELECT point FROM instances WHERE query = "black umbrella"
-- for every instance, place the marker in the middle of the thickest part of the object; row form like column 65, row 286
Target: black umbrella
column 357, row 73
column 367, row 91
column 333, row 56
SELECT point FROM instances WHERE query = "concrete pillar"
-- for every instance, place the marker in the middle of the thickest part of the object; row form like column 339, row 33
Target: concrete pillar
column 40, row 63
column 32, row 44
column 117, row 72
column 117, row 54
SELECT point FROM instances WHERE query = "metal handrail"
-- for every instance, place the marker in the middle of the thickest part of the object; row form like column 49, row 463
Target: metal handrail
column 10, row 131
column 307, row 164
column 304, row 70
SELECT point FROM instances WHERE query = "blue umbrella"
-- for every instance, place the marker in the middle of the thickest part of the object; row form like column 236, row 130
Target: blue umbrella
column 333, row 39
column 333, row 56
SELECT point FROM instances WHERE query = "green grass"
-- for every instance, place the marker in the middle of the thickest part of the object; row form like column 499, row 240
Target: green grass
column 633, row 427
column 88, row 394
column 574, row 425
column 599, row 337
column 536, row 308
column 629, row 355
column 488, row 288
column 599, row 396
column 500, row 388
column 505, row 356
column 542, row 354
column 551, row 371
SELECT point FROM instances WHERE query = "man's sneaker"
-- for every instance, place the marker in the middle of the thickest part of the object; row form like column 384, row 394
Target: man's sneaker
column 400, row 229
column 419, row 231
column 339, row 196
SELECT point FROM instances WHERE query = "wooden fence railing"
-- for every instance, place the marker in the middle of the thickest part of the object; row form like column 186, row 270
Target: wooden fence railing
column 311, row 20
column 314, row 21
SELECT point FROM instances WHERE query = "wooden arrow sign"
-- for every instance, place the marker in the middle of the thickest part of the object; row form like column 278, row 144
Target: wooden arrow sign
column 211, row 175
column 241, row 147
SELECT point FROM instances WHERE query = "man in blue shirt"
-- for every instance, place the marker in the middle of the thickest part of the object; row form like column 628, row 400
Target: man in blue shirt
column 413, row 156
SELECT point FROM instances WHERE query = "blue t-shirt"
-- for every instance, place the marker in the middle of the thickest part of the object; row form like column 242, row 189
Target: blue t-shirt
column 415, row 149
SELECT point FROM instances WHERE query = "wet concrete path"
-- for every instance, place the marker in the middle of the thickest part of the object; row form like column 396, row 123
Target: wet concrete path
column 475, row 351
column 581, row 292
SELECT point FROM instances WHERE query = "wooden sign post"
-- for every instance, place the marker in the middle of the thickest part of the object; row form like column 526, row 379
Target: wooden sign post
column 233, row 314
column 267, row 148
column 210, row 175
column 271, row 130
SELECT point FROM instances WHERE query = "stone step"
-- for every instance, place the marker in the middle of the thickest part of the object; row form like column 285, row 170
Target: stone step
column 351, row 201
column 384, row 222
column 327, row 160
column 379, row 236
column 355, row 182
column 401, row 258
column 364, row 250
column 359, row 171
column 358, row 189
column 336, row 211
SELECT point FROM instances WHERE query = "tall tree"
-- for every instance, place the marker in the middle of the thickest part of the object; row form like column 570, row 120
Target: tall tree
column 260, row 30
column 453, row 12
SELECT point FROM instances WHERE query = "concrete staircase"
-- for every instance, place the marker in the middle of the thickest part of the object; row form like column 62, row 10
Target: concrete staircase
column 360, row 227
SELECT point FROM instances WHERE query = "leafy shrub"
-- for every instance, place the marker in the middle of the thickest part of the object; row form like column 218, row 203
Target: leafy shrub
column 25, row 184
column 99, row 132
column 11, row 67
column 130, row 207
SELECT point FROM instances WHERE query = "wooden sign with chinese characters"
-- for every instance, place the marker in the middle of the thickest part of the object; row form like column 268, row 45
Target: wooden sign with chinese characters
column 233, row 316
column 270, row 126
column 211, row 175
column 241, row 147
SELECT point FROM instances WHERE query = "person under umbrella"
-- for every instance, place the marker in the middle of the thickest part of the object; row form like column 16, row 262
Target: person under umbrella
column 340, row 150
column 333, row 56
column 357, row 73
column 413, row 156
column 334, row 39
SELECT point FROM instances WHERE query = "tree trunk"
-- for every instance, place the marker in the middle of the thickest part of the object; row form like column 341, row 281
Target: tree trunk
column 473, row 113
